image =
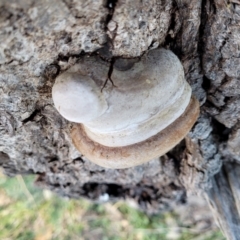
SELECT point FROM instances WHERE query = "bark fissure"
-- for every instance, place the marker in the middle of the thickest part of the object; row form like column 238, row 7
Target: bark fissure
column 111, row 4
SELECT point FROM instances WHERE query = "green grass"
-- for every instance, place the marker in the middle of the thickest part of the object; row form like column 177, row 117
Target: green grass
column 28, row 213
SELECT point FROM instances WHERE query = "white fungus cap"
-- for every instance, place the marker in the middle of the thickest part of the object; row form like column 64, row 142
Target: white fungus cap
column 141, row 113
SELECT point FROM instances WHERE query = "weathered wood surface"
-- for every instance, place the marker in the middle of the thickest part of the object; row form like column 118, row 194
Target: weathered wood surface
column 41, row 38
column 223, row 199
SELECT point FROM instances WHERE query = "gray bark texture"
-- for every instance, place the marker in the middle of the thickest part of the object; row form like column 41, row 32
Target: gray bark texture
column 40, row 39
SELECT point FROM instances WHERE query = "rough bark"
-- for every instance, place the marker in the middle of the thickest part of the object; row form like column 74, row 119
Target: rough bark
column 223, row 199
column 40, row 39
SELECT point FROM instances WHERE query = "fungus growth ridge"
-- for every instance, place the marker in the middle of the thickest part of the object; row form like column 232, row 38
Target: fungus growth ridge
column 146, row 112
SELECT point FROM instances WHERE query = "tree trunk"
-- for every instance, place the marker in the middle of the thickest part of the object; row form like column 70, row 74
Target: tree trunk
column 40, row 39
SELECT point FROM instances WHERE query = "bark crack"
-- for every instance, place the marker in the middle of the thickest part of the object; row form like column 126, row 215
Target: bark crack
column 105, row 52
column 111, row 4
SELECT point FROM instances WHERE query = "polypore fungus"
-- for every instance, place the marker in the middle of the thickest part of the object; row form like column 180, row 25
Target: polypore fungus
column 143, row 112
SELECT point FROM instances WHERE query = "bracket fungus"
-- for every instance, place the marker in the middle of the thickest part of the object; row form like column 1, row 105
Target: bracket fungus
column 142, row 112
